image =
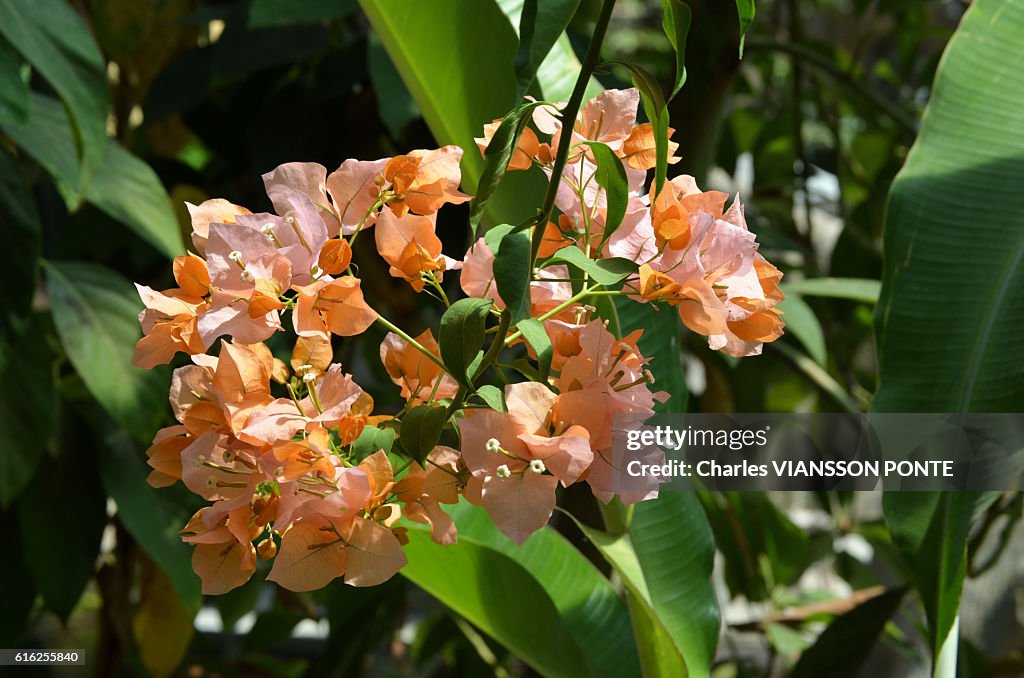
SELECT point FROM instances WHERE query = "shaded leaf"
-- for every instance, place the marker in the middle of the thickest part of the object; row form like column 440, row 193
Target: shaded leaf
column 28, row 408
column 512, row 273
column 22, row 234
column 71, row 479
column 462, row 335
column 147, row 514
column 95, row 311
column 845, row 644
column 13, row 90
column 540, row 26
column 421, row 429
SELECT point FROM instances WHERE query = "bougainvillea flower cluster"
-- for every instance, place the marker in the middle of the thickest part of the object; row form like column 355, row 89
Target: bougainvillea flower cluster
column 291, row 453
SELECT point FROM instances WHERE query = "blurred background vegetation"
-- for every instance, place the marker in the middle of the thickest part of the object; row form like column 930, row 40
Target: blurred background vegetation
column 113, row 113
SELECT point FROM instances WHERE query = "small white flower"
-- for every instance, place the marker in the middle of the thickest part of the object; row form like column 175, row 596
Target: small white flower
column 503, row 471
column 493, row 445
column 302, row 369
column 309, row 377
column 235, row 256
column 267, row 229
column 537, row 466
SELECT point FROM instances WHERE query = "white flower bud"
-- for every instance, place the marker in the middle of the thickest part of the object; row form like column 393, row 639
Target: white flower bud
column 246, row 276
column 309, row 377
column 537, row 466
column 503, row 471
column 302, row 369
column 267, row 229
column 493, row 445
column 315, row 272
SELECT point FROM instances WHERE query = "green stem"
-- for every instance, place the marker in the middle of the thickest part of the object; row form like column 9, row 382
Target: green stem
column 412, row 342
column 572, row 109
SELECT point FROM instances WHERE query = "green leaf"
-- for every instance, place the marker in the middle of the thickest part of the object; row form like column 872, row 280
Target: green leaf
column 22, row 234
column 952, row 304
column 462, row 335
column 498, row 596
column 457, row 90
column 147, row 514
column 746, row 10
column 129, row 190
column 661, row 343
column 675, row 22
column 657, row 114
column 123, row 186
column 611, row 176
column 421, row 429
column 535, row 335
column 676, row 551
column 397, row 109
column 541, row 24
column 557, row 74
column 512, row 273
column 372, row 439
column 58, row 44
column 591, row 609
column 496, row 159
column 47, row 137
column 96, row 314
column 492, row 397
column 18, row 600
column 803, row 324
column 602, row 271
column 845, row 644
column 61, row 581
column 13, row 89
column 28, row 409
column 857, row 289
column 658, row 652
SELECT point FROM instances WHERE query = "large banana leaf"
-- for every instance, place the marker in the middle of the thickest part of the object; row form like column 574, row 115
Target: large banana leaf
column 456, row 59
column 952, row 303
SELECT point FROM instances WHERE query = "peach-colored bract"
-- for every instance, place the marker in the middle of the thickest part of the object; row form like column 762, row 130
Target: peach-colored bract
column 296, row 465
